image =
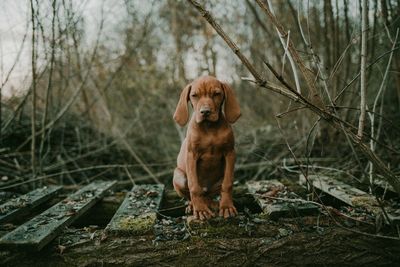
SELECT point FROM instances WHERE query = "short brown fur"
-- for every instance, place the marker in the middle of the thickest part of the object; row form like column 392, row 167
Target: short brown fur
column 205, row 163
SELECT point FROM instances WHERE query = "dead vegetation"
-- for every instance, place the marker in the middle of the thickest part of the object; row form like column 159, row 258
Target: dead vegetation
column 97, row 100
column 105, row 101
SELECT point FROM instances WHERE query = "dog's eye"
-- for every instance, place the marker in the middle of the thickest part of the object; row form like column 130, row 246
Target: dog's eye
column 194, row 95
column 217, row 93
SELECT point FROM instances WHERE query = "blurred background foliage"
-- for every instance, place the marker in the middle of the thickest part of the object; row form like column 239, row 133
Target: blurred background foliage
column 106, row 89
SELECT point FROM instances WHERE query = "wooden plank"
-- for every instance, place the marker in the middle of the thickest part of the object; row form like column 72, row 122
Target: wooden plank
column 342, row 191
column 350, row 195
column 394, row 217
column 276, row 201
column 39, row 231
column 19, row 205
column 138, row 212
column 384, row 185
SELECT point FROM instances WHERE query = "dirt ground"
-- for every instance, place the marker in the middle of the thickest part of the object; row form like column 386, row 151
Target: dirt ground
column 281, row 243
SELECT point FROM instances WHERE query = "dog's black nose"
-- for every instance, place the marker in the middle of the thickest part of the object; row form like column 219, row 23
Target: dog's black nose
column 205, row 111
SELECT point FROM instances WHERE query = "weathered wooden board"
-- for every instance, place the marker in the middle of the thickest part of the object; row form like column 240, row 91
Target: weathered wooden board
column 138, row 212
column 19, row 205
column 276, row 201
column 394, row 216
column 349, row 195
column 39, row 231
column 342, row 191
column 384, row 185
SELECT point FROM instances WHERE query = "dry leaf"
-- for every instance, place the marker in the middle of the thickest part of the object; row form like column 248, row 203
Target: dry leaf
column 61, row 249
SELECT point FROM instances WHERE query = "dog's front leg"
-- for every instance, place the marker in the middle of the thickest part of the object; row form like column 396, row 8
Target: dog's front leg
column 226, row 207
column 200, row 209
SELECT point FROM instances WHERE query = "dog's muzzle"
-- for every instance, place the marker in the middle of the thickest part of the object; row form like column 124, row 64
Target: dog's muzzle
column 205, row 111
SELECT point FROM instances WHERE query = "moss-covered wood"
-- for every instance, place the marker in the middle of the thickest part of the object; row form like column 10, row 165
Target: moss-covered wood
column 277, row 201
column 138, row 212
column 250, row 239
column 350, row 195
column 385, row 186
column 39, row 231
column 340, row 190
column 22, row 204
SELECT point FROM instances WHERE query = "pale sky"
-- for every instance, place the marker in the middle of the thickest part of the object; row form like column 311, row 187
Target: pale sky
column 15, row 23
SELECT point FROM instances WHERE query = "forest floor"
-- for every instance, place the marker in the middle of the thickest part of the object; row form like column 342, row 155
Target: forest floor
column 332, row 247
column 251, row 239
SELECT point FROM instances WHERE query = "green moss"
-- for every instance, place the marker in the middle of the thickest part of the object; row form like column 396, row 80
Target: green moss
column 218, row 227
column 263, row 216
column 137, row 224
column 240, row 226
column 367, row 202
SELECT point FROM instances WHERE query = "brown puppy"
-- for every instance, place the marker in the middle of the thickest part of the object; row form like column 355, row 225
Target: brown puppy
column 206, row 160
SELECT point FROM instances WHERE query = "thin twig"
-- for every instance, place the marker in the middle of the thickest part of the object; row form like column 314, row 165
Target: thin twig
column 136, row 157
column 49, row 84
column 316, row 99
column 363, row 79
column 75, row 95
column 372, row 142
column 33, row 115
column 107, row 167
column 299, row 200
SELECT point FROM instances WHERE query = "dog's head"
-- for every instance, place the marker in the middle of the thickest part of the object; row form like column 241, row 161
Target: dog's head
column 207, row 95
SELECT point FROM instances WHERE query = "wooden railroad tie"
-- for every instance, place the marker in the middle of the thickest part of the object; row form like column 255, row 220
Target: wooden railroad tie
column 138, row 212
column 43, row 228
column 350, row 195
column 21, row 204
column 277, row 201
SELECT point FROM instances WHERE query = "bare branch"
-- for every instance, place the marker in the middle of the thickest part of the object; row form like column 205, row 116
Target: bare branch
column 33, row 115
column 329, row 117
column 316, row 99
column 363, row 86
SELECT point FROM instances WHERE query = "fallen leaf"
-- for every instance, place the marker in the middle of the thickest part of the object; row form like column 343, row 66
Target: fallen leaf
column 151, row 193
column 61, row 249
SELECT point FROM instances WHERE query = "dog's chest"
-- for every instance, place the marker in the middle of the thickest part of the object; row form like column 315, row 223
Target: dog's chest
column 213, row 143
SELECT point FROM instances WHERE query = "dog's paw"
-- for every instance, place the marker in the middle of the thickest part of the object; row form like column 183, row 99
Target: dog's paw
column 227, row 209
column 189, row 208
column 201, row 210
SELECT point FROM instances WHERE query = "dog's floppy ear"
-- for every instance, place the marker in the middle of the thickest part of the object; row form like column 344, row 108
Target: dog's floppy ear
column 181, row 115
column 232, row 109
